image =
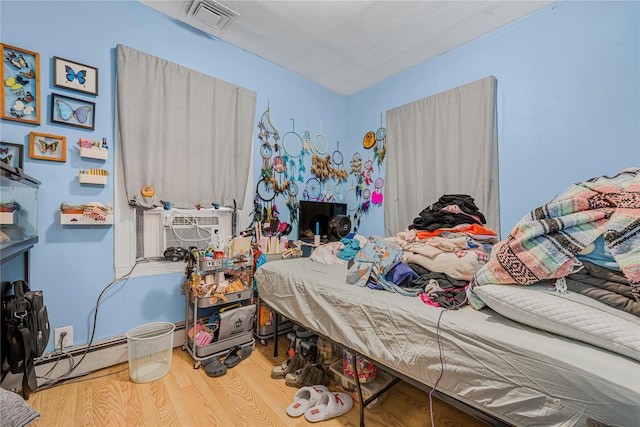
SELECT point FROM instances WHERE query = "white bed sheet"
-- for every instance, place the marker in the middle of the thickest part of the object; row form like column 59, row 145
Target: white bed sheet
column 518, row 374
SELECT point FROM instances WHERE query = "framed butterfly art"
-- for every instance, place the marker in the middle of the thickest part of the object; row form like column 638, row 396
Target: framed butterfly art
column 72, row 111
column 11, row 154
column 47, row 147
column 75, row 76
column 20, row 76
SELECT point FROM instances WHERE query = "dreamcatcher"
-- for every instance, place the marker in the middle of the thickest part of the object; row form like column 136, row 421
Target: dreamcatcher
column 267, row 132
column 263, row 202
column 268, row 187
column 353, row 207
column 293, row 147
column 327, row 192
column 356, row 164
column 376, row 196
column 380, row 149
column 279, row 168
column 312, row 190
column 352, row 197
column 338, row 192
column 306, row 141
column 292, row 202
column 338, row 171
column 320, row 142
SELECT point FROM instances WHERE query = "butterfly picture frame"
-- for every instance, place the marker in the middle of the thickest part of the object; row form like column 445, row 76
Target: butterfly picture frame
column 11, row 154
column 72, row 111
column 20, row 76
column 47, row 147
column 75, row 76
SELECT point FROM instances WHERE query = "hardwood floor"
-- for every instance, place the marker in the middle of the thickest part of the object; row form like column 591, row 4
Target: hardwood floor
column 245, row 396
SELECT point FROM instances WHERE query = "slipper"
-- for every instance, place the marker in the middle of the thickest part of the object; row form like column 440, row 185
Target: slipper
column 214, row 367
column 236, row 355
column 304, row 399
column 292, row 364
column 329, row 405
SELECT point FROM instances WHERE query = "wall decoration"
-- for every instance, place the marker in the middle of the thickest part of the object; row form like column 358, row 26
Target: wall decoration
column 11, row 154
column 75, row 76
column 20, row 75
column 48, row 147
column 72, row 111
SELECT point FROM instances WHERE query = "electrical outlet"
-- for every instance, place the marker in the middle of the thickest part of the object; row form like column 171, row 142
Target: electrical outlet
column 68, row 338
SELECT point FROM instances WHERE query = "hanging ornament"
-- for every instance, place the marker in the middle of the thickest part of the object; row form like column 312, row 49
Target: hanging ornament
column 369, row 140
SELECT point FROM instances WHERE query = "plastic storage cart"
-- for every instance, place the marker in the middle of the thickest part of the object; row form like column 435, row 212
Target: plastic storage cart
column 238, row 331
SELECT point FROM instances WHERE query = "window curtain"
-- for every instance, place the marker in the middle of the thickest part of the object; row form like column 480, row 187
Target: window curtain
column 443, row 144
column 187, row 134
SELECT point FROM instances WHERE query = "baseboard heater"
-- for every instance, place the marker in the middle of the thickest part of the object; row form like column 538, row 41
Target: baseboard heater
column 102, row 354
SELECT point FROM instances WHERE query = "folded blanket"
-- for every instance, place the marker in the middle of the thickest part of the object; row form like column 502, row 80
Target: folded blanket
column 543, row 245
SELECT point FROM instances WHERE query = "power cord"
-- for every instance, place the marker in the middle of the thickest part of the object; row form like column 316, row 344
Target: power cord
column 59, row 358
column 441, row 374
column 65, row 376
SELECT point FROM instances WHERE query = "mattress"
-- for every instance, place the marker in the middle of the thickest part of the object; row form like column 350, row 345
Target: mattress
column 515, row 373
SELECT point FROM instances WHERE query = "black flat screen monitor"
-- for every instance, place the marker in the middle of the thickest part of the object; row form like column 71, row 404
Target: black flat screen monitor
column 314, row 217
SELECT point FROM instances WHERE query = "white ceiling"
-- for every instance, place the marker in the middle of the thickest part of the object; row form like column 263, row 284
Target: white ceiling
column 348, row 46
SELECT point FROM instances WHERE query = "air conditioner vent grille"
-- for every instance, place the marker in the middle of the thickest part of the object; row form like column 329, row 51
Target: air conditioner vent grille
column 191, row 221
column 212, row 14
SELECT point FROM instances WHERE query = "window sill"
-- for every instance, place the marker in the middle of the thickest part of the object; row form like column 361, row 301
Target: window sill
column 152, row 268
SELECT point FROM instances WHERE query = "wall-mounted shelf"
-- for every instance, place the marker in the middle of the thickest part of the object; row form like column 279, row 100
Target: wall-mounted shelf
column 91, row 213
column 82, row 219
column 94, row 153
column 87, row 178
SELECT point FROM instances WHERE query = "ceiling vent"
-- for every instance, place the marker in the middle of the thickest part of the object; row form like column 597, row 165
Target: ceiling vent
column 212, row 14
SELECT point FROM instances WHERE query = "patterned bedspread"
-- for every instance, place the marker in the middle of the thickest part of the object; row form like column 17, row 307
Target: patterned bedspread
column 544, row 243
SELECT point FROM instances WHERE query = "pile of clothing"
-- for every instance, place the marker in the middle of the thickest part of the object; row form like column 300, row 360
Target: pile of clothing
column 435, row 258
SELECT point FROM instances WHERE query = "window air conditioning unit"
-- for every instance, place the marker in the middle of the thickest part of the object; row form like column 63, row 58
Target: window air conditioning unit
column 184, row 228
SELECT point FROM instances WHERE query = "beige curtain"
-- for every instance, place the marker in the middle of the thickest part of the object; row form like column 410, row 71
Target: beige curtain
column 187, row 134
column 443, row 144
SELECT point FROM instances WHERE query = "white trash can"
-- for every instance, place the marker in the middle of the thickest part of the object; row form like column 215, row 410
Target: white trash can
column 150, row 347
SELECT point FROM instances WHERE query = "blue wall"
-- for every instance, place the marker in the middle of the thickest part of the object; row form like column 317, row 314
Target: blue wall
column 568, row 108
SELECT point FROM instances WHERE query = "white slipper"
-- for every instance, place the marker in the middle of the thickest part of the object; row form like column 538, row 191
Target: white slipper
column 329, row 405
column 304, row 399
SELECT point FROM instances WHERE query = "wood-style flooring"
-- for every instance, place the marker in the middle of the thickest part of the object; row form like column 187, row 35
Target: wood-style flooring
column 245, row 396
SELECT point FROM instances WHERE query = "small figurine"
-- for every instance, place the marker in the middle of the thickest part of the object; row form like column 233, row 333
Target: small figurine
column 148, row 191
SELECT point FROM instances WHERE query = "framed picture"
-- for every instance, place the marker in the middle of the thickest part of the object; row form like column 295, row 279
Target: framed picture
column 20, row 91
column 72, row 111
column 47, row 147
column 11, row 154
column 75, row 76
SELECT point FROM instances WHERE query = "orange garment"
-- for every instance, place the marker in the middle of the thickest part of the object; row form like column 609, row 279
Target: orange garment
column 475, row 229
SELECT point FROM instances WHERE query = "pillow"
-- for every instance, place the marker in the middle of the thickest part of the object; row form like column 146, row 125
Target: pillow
column 571, row 315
